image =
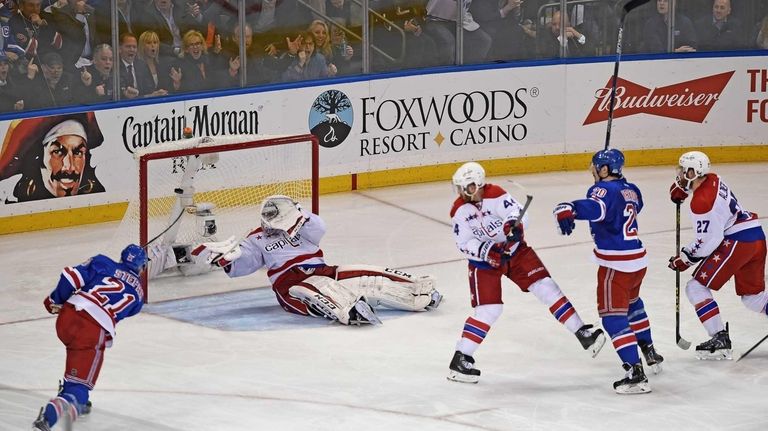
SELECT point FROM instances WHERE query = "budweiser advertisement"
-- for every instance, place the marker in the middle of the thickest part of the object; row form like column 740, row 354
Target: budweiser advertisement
column 689, row 101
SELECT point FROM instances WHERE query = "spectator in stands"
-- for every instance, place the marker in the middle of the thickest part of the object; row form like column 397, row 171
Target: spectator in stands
column 159, row 69
column 306, row 62
column 655, row 31
column 9, row 47
column 97, row 80
column 193, row 71
column 343, row 53
column 577, row 44
column 226, row 58
column 340, row 11
column 720, row 31
column 135, row 77
column 761, row 34
column 320, row 33
column 126, row 13
column 49, row 86
column 34, row 29
column 440, row 25
column 501, row 20
column 11, row 96
column 74, row 22
column 169, row 22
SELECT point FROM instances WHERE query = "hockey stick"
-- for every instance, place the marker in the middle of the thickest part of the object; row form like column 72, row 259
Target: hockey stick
column 631, row 5
column 752, row 348
column 681, row 342
column 528, row 199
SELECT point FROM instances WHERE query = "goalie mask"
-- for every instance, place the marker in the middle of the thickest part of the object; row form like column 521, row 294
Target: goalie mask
column 281, row 213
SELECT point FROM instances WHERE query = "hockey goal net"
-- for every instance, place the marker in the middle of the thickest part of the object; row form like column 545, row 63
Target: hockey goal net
column 208, row 189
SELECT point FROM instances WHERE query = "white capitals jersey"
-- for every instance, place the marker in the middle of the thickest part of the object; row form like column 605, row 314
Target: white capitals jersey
column 717, row 215
column 276, row 251
column 477, row 226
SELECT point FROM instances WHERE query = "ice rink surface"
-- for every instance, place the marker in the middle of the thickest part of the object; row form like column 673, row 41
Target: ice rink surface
column 275, row 371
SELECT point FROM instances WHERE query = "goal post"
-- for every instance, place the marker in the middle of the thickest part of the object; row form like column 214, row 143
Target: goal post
column 208, row 189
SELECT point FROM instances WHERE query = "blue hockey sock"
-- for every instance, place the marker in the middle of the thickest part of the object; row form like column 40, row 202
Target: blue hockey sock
column 638, row 321
column 622, row 337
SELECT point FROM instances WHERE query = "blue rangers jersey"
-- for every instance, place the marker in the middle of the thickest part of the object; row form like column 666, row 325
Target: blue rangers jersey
column 107, row 290
column 612, row 208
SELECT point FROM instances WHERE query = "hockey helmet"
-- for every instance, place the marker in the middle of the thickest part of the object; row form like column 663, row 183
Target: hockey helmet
column 692, row 160
column 282, row 213
column 612, row 158
column 134, row 257
column 469, row 173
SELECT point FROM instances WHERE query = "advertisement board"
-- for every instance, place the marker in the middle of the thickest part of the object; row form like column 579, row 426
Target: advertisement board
column 86, row 159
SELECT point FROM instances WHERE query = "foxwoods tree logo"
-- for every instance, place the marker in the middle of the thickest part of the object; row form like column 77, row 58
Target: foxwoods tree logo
column 330, row 118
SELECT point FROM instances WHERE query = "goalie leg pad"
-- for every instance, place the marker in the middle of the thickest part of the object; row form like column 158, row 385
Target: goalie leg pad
column 327, row 296
column 161, row 257
column 391, row 288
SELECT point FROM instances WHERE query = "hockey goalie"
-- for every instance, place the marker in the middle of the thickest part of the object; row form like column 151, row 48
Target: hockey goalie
column 288, row 245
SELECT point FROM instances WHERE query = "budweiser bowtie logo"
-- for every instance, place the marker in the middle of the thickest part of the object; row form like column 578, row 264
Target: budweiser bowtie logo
column 690, row 100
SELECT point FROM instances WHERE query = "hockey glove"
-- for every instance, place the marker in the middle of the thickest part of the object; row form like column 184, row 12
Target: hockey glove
column 676, row 193
column 497, row 254
column 683, row 261
column 51, row 306
column 513, row 231
column 220, row 254
column 565, row 216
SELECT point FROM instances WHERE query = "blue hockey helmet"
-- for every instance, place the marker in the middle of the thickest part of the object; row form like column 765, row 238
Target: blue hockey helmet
column 612, row 158
column 134, row 257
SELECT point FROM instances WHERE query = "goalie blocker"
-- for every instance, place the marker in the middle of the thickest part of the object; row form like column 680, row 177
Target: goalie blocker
column 287, row 244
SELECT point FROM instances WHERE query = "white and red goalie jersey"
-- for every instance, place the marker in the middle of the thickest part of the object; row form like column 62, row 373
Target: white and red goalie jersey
column 717, row 215
column 278, row 252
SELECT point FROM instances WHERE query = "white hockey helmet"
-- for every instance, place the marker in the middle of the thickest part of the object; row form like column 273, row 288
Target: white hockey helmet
column 692, row 160
column 280, row 212
column 469, row 173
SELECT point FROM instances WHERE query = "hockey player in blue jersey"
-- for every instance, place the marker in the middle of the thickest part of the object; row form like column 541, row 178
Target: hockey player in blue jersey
column 611, row 207
column 90, row 299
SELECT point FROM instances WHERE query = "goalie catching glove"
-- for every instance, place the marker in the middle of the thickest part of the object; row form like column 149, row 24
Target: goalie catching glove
column 221, row 253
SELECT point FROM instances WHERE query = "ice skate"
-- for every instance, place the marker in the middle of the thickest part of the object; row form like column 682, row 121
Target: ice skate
column 652, row 358
column 362, row 314
column 40, row 423
column 634, row 382
column 436, row 299
column 591, row 340
column 462, row 369
column 717, row 348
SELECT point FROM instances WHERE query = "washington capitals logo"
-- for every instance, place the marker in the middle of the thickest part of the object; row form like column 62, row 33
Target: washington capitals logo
column 330, row 119
column 689, row 100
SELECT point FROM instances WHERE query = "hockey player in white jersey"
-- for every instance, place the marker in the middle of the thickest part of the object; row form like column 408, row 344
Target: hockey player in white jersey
column 288, row 245
column 487, row 233
column 729, row 243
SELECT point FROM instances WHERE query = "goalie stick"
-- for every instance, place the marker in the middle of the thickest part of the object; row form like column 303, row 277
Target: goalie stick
column 628, row 7
column 680, row 341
